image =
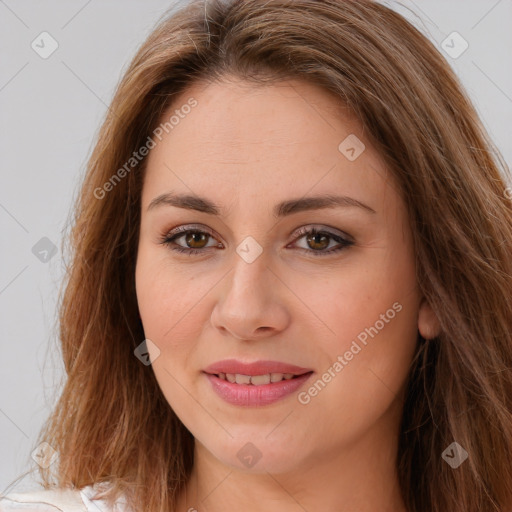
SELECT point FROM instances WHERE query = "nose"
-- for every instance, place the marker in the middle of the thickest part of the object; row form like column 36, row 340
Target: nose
column 250, row 305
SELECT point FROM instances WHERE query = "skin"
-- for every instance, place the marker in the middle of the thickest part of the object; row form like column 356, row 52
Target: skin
column 246, row 148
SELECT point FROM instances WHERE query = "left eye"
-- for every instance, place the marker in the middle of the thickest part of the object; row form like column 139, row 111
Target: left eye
column 198, row 239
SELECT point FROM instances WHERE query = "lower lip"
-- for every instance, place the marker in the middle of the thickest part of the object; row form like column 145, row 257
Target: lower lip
column 250, row 395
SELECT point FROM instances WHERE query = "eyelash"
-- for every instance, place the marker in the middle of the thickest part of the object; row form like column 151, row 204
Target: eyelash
column 169, row 238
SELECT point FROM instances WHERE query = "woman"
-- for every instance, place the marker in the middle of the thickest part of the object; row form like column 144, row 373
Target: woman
column 291, row 279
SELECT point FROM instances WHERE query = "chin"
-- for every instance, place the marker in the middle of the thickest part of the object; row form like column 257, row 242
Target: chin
column 257, row 454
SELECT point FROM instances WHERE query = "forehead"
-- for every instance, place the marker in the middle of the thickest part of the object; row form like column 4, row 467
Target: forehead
column 258, row 140
column 239, row 114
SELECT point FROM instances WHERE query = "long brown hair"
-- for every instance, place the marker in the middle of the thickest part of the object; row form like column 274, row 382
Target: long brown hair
column 112, row 422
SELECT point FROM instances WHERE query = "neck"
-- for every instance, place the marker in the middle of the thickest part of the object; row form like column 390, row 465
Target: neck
column 360, row 477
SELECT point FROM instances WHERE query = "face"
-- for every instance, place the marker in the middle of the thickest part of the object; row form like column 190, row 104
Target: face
column 236, row 277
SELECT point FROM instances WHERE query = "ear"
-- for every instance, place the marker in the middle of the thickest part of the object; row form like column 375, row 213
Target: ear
column 428, row 323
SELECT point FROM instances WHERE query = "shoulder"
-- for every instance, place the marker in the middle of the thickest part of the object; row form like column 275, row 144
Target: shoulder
column 54, row 500
column 45, row 500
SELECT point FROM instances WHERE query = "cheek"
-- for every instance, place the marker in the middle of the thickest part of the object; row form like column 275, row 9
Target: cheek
column 348, row 299
column 160, row 297
column 376, row 363
column 171, row 302
column 369, row 318
column 166, row 298
column 365, row 367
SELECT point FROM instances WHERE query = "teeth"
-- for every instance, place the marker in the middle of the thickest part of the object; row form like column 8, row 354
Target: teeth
column 255, row 380
column 258, row 380
column 242, row 379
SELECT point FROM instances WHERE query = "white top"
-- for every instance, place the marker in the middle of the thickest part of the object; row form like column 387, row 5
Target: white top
column 68, row 500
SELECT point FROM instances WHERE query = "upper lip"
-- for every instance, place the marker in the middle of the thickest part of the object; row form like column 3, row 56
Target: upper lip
column 255, row 368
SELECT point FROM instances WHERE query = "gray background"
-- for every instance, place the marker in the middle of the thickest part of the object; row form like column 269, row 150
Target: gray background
column 51, row 110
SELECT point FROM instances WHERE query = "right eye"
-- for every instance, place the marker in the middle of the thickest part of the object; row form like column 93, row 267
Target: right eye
column 191, row 236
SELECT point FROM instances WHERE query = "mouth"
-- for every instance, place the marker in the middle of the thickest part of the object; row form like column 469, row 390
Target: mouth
column 233, row 369
column 257, row 380
column 256, row 395
column 255, row 384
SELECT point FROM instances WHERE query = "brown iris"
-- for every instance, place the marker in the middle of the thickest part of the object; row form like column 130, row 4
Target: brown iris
column 315, row 238
column 196, row 236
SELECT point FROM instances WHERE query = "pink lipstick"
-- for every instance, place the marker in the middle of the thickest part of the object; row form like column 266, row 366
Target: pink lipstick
column 255, row 384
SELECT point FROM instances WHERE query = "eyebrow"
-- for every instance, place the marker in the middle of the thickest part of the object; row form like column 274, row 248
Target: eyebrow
column 289, row 207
